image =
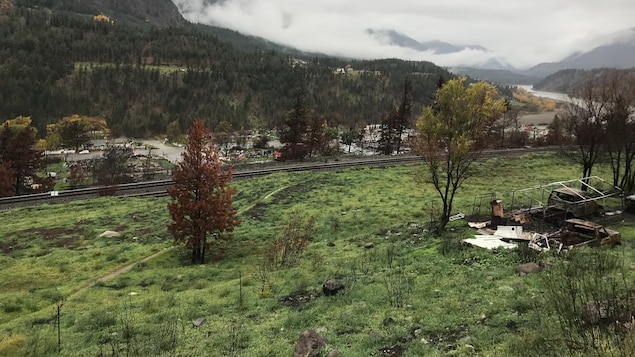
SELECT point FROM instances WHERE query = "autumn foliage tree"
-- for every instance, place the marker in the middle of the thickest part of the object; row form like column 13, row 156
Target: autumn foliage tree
column 453, row 133
column 20, row 160
column 75, row 130
column 202, row 210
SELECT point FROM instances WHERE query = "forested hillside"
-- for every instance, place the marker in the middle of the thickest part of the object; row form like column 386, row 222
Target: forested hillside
column 569, row 80
column 139, row 78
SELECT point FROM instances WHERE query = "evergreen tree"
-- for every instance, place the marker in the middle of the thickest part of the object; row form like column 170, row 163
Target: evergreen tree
column 201, row 206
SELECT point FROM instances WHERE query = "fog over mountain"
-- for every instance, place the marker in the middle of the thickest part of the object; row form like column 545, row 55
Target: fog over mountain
column 446, row 32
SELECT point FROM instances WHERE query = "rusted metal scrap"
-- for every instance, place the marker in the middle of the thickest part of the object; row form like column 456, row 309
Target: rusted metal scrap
column 578, row 233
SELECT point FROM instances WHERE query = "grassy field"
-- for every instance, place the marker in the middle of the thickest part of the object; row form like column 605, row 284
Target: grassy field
column 414, row 288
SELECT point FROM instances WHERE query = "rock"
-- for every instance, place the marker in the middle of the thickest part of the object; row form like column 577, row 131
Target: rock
column 369, row 245
column 489, row 278
column 332, row 286
column 388, row 321
column 528, row 268
column 392, row 351
column 198, row 322
column 424, row 341
column 334, row 353
column 632, row 267
column 109, row 234
column 298, row 298
column 330, row 244
column 309, row 344
column 505, row 288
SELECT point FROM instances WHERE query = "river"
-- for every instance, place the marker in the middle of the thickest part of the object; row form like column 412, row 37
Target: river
column 551, row 95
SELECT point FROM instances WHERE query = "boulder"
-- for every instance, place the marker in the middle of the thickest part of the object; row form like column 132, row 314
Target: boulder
column 528, row 268
column 369, row 245
column 109, row 234
column 309, row 344
column 332, row 286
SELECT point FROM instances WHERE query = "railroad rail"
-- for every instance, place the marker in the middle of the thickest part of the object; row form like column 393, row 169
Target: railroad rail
column 158, row 188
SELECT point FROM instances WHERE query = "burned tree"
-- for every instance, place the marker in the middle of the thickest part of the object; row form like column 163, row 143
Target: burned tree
column 583, row 118
column 201, row 209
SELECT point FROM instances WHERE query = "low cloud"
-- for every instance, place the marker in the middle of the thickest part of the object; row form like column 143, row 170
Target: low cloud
column 523, row 33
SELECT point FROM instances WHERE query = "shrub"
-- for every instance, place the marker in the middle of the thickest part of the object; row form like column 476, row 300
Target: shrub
column 588, row 295
column 287, row 250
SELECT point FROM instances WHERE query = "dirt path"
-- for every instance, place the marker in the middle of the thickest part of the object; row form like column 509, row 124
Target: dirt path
column 126, row 268
column 118, row 272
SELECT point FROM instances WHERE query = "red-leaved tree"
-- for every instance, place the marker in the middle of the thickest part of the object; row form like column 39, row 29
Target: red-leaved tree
column 201, row 209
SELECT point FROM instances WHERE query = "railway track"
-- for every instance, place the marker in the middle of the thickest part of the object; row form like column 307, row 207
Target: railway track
column 158, row 188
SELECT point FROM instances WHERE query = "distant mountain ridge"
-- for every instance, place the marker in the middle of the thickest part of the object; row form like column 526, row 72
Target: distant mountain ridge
column 617, row 52
column 392, row 37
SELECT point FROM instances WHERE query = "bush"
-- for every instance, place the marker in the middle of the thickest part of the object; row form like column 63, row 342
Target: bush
column 588, row 295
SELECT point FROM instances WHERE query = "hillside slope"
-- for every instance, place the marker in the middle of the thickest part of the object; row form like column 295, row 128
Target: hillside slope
column 160, row 13
column 140, row 78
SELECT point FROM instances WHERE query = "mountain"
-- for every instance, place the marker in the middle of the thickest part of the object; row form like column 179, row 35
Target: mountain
column 618, row 51
column 394, row 38
column 62, row 60
column 571, row 80
column 159, row 13
column 502, row 76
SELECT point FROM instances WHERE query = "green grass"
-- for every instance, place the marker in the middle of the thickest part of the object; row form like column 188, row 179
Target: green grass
column 465, row 302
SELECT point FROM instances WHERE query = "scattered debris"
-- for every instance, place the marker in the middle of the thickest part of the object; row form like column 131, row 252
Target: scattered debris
column 539, row 242
column 392, row 351
column 489, row 242
column 456, row 217
column 478, row 225
column 510, row 232
column 578, row 232
column 198, row 322
column 299, row 298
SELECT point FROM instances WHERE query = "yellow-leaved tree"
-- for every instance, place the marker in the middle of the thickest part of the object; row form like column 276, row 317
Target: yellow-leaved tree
column 76, row 130
column 452, row 134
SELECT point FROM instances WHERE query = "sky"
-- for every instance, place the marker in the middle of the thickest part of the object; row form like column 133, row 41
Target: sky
column 521, row 32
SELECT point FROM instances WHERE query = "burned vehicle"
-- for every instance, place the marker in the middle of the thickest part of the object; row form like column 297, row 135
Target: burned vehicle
column 573, row 202
column 577, row 233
